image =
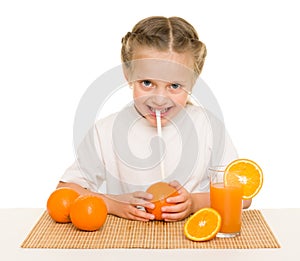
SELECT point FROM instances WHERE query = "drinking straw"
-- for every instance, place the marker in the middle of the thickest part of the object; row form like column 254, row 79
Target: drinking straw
column 159, row 133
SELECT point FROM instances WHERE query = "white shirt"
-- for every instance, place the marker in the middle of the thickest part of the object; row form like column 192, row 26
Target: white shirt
column 122, row 152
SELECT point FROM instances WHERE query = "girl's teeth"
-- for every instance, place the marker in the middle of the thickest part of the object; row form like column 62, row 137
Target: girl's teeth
column 161, row 111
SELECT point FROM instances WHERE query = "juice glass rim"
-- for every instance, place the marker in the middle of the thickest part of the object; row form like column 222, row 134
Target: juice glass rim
column 221, row 168
column 217, row 168
column 215, row 171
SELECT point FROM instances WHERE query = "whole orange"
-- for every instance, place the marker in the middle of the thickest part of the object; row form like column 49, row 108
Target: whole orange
column 59, row 203
column 88, row 213
column 160, row 191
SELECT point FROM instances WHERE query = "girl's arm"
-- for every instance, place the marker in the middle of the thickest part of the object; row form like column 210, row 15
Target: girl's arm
column 125, row 205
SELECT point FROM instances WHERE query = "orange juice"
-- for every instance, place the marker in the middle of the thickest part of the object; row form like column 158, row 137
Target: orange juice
column 228, row 202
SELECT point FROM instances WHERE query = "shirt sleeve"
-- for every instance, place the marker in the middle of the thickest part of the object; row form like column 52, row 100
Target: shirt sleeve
column 88, row 169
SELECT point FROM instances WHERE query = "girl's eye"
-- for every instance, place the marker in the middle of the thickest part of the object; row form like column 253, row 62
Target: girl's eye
column 147, row 83
column 175, row 86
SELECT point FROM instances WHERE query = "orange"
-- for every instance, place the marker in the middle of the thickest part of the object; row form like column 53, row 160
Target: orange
column 203, row 225
column 160, row 191
column 59, row 203
column 245, row 172
column 88, row 213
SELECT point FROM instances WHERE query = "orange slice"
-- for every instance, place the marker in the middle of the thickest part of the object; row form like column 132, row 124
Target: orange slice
column 203, row 225
column 247, row 173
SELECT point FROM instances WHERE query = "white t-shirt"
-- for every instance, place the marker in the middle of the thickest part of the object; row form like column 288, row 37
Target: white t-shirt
column 122, row 152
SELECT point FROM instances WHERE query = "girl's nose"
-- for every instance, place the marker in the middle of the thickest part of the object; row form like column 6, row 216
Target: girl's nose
column 159, row 100
column 160, row 95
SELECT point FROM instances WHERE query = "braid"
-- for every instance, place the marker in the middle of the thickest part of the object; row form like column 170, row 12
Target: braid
column 186, row 39
column 199, row 54
column 126, row 50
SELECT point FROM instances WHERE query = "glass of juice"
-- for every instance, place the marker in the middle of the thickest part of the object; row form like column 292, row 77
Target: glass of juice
column 227, row 200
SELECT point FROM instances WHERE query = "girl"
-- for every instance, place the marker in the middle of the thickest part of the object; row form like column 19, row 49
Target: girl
column 162, row 59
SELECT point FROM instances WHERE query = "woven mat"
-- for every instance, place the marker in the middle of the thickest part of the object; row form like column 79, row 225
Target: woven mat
column 122, row 233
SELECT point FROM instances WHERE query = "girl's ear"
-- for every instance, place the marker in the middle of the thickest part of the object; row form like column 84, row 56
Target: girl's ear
column 126, row 72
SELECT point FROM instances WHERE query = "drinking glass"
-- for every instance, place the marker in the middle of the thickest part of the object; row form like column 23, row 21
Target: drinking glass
column 227, row 200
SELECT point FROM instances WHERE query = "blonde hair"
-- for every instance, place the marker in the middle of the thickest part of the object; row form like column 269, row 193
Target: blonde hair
column 163, row 34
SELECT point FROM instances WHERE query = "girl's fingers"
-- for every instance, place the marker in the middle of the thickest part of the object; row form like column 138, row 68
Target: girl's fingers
column 173, row 216
column 175, row 184
column 174, row 208
column 175, row 212
column 142, row 195
column 141, row 215
column 177, row 199
column 141, row 202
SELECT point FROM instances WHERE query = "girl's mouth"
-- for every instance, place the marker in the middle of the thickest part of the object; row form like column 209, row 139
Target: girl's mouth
column 163, row 111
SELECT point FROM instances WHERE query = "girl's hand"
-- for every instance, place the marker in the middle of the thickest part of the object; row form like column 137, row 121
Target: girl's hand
column 130, row 206
column 183, row 204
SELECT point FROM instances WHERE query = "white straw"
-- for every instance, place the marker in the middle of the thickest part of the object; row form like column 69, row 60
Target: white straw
column 159, row 133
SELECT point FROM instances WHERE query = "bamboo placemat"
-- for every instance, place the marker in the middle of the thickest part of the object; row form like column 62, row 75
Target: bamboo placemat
column 122, row 233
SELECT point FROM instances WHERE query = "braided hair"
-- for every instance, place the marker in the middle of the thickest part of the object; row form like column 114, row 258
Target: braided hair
column 163, row 34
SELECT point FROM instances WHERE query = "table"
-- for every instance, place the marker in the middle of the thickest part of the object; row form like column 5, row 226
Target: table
column 15, row 225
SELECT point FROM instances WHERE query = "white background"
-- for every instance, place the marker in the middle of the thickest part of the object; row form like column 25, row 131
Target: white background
column 51, row 51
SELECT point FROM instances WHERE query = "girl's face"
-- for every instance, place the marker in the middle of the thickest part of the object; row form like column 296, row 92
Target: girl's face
column 160, row 81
